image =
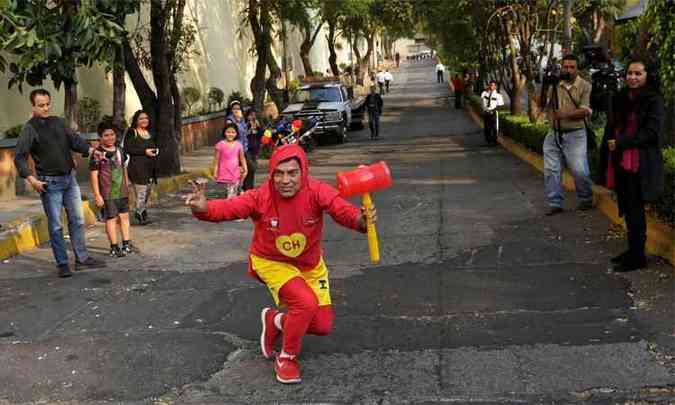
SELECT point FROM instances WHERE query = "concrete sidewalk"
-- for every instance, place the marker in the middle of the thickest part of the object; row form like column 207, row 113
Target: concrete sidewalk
column 23, row 220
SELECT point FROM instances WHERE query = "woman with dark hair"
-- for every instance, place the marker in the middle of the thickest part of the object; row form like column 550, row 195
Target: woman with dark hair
column 631, row 158
column 140, row 144
column 255, row 131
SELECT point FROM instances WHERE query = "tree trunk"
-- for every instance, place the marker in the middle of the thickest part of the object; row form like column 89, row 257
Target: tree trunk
column 256, row 16
column 304, row 56
column 532, row 106
column 168, row 161
column 276, row 93
column 332, row 59
column 308, row 41
column 70, row 104
column 143, row 90
column 119, row 91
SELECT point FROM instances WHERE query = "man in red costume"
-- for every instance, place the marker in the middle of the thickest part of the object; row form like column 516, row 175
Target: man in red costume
column 286, row 255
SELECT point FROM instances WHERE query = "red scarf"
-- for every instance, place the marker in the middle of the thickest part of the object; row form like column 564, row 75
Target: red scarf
column 630, row 158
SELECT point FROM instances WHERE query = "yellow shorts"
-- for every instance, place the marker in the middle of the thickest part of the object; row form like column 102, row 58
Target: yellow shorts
column 276, row 274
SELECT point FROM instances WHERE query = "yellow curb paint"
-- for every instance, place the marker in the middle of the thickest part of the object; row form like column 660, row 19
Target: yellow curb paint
column 26, row 234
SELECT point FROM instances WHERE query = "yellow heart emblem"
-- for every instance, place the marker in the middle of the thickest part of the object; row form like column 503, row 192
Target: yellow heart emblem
column 291, row 246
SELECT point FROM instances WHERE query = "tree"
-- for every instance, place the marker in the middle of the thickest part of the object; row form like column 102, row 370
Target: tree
column 118, row 9
column 358, row 22
column 331, row 13
column 170, row 38
column 191, row 96
column 216, row 97
column 259, row 14
column 592, row 18
column 303, row 15
column 52, row 39
column 398, row 20
column 660, row 18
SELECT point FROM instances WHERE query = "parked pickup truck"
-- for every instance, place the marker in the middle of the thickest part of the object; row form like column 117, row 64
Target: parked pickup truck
column 330, row 102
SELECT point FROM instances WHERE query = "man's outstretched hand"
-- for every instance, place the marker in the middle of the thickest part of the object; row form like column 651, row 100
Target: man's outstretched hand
column 367, row 214
column 197, row 199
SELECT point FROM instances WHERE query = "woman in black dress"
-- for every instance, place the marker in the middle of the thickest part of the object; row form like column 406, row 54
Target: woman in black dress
column 631, row 158
column 140, row 145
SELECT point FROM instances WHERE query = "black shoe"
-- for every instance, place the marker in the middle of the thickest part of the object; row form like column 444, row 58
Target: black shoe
column 129, row 249
column 585, row 206
column 115, row 251
column 553, row 211
column 631, row 263
column 64, row 271
column 144, row 217
column 90, row 263
column 620, row 258
column 138, row 217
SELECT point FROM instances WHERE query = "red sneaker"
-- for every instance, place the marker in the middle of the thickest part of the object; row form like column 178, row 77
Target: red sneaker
column 270, row 333
column 287, row 370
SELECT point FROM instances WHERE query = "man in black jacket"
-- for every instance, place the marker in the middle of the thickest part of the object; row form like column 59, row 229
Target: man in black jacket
column 374, row 105
column 49, row 141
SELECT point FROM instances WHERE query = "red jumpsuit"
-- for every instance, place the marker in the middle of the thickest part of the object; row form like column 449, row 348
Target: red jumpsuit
column 286, row 251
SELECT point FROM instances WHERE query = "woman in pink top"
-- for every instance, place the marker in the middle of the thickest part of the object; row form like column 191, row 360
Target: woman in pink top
column 229, row 161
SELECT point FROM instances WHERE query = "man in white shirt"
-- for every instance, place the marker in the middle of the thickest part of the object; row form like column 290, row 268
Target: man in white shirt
column 439, row 72
column 388, row 77
column 380, row 81
column 491, row 100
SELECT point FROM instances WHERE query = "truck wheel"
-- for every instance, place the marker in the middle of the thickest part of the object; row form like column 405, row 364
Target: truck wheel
column 341, row 134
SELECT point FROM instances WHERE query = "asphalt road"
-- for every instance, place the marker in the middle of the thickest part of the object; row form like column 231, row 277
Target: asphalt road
column 479, row 298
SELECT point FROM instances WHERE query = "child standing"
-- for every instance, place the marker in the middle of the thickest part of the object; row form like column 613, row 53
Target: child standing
column 229, row 161
column 110, row 183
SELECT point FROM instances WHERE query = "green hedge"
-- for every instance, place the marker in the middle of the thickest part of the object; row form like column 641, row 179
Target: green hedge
column 520, row 129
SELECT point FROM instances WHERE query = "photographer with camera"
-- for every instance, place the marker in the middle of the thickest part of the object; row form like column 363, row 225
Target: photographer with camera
column 631, row 161
column 491, row 100
column 567, row 101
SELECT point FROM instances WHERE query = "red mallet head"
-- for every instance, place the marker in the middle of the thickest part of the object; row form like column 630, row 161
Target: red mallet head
column 365, row 179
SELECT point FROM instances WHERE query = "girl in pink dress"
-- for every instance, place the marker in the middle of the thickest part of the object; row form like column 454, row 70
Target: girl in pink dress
column 229, row 161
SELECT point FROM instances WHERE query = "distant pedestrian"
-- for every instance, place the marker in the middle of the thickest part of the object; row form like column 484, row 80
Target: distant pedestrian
column 491, row 100
column 380, row 81
column 631, row 160
column 398, row 59
column 440, row 69
column 388, row 77
column 141, row 145
column 458, row 89
column 229, row 161
column 374, row 106
column 110, row 183
column 255, row 131
column 50, row 143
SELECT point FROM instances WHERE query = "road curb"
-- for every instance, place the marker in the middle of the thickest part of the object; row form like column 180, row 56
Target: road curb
column 660, row 237
column 25, row 234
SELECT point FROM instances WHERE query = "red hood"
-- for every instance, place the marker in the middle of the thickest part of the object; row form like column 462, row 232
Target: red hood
column 286, row 152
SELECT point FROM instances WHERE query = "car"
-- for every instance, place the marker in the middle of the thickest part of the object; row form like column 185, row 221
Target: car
column 331, row 104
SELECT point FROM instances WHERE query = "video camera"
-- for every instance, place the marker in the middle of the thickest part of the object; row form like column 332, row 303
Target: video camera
column 605, row 78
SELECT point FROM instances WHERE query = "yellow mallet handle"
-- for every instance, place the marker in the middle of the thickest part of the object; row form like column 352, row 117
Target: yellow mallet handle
column 373, row 245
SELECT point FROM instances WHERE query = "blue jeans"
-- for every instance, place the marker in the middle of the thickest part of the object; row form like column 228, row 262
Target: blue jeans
column 64, row 192
column 374, row 123
column 571, row 153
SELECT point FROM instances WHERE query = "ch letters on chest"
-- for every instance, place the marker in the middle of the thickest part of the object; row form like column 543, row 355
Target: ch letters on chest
column 291, row 245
